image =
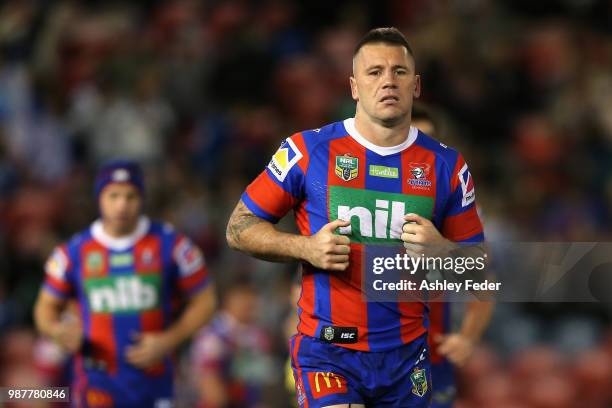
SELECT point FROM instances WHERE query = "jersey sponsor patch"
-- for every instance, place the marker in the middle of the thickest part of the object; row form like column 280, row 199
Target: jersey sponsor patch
column 326, row 383
column 376, row 217
column 57, row 264
column 188, row 257
column 467, row 186
column 123, row 293
column 284, row 159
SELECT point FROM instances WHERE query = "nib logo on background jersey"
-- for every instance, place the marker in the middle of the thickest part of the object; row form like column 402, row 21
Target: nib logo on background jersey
column 376, row 217
column 284, row 159
column 123, row 294
column 467, row 186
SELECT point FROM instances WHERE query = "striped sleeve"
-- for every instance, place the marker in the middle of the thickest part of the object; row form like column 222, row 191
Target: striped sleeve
column 58, row 273
column 461, row 222
column 281, row 185
column 191, row 265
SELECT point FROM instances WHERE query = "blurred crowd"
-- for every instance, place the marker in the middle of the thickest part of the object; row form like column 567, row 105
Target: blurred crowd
column 202, row 92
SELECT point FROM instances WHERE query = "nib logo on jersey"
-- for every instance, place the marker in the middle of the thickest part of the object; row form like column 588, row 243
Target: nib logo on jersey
column 123, row 293
column 376, row 217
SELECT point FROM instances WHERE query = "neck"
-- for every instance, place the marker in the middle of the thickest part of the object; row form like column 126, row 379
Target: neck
column 116, row 231
column 382, row 134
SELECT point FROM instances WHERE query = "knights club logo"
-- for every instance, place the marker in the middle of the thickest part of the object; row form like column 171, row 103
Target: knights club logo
column 419, row 173
column 347, row 167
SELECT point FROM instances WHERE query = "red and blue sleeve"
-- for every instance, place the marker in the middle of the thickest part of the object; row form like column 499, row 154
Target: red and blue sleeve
column 281, row 185
column 58, row 273
column 461, row 221
column 192, row 271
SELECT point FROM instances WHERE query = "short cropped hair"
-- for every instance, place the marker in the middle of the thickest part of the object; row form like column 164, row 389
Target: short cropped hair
column 385, row 35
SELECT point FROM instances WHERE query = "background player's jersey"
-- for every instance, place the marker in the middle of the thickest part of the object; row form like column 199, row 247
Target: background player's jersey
column 334, row 172
column 124, row 287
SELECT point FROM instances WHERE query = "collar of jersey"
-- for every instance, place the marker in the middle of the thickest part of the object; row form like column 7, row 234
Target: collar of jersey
column 123, row 243
column 349, row 125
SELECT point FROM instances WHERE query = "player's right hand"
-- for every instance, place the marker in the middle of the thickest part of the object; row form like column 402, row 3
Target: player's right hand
column 329, row 251
column 68, row 334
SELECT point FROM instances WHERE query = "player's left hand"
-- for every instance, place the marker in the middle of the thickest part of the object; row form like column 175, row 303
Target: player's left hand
column 420, row 236
column 456, row 347
column 149, row 349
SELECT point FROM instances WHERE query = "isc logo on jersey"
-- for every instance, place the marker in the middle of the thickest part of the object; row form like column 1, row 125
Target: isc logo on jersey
column 284, row 159
column 376, row 217
column 123, row 294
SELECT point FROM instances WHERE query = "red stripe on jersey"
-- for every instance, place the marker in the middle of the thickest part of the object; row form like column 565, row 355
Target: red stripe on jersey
column 193, row 280
column 308, row 324
column 411, row 320
column 436, row 328
column 462, row 226
column 414, row 158
column 94, row 261
column 348, row 307
column 147, row 255
column 269, row 196
column 454, row 177
column 103, row 340
column 298, row 139
column 411, row 313
column 302, row 220
column 297, row 375
column 153, row 321
column 62, row 286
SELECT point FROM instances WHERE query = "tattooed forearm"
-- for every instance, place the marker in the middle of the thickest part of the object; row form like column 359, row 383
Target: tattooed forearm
column 248, row 233
column 240, row 220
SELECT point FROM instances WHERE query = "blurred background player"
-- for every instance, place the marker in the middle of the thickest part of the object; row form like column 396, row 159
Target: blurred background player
column 448, row 348
column 350, row 352
column 124, row 272
column 231, row 357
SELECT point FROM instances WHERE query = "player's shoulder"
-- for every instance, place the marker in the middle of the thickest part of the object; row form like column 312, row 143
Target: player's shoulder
column 77, row 240
column 312, row 138
column 163, row 229
column 446, row 154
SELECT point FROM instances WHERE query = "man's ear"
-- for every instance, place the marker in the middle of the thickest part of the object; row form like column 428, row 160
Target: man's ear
column 417, row 86
column 354, row 92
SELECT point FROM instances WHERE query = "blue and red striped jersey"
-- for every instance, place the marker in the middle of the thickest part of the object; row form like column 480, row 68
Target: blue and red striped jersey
column 123, row 287
column 334, row 172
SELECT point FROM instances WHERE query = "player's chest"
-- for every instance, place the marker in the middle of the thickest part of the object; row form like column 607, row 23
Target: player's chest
column 127, row 281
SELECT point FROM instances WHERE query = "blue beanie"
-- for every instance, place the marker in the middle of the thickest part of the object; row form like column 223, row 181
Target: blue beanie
column 119, row 171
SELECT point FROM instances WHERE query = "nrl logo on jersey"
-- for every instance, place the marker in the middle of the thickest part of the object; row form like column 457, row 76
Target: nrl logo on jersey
column 347, row 167
column 419, row 382
column 419, row 173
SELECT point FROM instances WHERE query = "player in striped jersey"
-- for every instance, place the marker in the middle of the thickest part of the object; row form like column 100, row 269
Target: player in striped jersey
column 125, row 272
column 356, row 186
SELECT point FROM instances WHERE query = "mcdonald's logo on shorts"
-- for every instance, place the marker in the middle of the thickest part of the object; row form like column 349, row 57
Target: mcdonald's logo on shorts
column 323, row 384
